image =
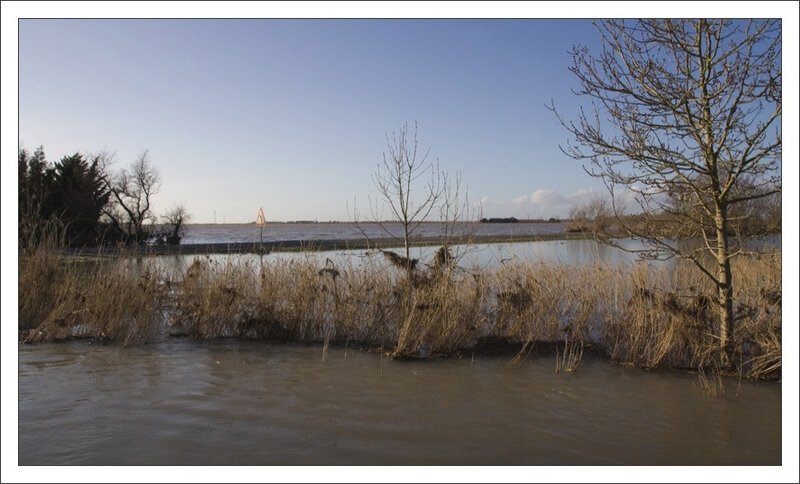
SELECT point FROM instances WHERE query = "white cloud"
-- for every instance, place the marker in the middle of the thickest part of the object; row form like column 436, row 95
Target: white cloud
column 544, row 203
column 541, row 203
column 546, row 197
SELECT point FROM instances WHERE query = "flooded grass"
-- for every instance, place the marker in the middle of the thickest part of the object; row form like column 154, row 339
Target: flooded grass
column 637, row 315
column 67, row 297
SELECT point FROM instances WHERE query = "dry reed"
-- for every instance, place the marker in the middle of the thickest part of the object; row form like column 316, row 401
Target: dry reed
column 65, row 297
column 635, row 314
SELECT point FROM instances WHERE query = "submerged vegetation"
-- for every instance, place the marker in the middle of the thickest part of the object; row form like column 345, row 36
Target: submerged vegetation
column 66, row 297
column 638, row 315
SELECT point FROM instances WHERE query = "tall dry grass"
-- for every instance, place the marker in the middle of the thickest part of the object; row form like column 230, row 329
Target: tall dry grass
column 650, row 318
column 634, row 314
column 62, row 297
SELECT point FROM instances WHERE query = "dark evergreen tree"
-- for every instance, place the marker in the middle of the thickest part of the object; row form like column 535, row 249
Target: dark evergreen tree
column 35, row 207
column 78, row 197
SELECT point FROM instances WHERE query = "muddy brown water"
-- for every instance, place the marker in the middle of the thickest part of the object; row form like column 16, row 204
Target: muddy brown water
column 253, row 403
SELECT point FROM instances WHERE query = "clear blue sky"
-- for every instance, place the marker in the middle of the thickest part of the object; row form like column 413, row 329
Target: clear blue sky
column 292, row 115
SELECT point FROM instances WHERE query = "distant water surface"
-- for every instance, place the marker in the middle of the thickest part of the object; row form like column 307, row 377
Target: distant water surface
column 220, row 233
column 475, row 256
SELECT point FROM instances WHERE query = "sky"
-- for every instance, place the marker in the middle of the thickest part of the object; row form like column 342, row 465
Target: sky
column 292, row 115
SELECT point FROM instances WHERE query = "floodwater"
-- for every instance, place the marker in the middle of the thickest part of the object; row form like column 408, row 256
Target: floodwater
column 473, row 256
column 477, row 256
column 252, row 403
column 218, row 233
column 181, row 402
column 469, row 257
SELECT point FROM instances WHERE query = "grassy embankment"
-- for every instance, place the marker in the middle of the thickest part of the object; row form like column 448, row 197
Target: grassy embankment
column 646, row 318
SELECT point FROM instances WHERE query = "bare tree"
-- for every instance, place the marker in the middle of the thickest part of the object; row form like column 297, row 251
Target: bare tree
column 396, row 182
column 416, row 191
column 693, row 108
column 131, row 194
column 593, row 216
column 460, row 221
column 172, row 224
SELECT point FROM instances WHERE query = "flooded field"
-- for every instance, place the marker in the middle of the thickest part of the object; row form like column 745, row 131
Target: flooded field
column 252, row 403
column 469, row 257
column 310, row 231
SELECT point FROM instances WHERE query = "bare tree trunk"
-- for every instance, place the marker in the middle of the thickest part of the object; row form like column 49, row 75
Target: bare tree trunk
column 409, row 269
column 724, row 286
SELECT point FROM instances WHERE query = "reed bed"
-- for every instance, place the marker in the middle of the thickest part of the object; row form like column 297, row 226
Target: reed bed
column 633, row 314
column 63, row 298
